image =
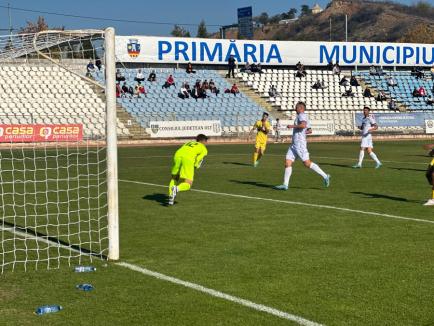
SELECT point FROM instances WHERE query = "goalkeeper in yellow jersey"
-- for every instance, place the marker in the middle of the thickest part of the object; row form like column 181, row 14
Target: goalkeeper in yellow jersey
column 186, row 159
column 430, row 177
column 262, row 128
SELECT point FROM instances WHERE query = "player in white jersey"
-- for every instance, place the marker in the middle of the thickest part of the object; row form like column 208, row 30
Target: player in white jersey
column 368, row 126
column 298, row 149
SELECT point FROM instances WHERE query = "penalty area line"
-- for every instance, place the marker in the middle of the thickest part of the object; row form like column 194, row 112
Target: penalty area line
column 289, row 202
column 221, row 295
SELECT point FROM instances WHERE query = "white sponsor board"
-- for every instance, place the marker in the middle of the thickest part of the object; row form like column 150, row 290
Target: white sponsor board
column 429, row 126
column 152, row 49
column 174, row 129
column 319, row 127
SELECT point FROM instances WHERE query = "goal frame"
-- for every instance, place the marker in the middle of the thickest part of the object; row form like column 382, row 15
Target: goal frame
column 111, row 130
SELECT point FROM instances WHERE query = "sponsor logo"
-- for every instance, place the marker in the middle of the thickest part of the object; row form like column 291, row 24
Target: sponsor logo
column 133, row 48
column 155, row 128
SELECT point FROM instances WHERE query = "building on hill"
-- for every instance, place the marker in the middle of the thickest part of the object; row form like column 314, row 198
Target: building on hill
column 316, row 9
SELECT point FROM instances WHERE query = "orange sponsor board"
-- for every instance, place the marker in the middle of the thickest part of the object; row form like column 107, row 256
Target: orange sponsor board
column 19, row 133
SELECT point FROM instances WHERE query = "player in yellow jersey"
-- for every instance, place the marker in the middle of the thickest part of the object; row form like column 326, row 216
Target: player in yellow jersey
column 186, row 159
column 430, row 177
column 262, row 127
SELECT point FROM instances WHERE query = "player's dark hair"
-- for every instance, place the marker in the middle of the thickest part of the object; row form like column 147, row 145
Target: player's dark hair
column 201, row 138
column 301, row 103
column 367, row 108
column 265, row 113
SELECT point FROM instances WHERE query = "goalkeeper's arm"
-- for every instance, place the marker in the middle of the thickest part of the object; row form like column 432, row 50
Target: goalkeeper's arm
column 199, row 160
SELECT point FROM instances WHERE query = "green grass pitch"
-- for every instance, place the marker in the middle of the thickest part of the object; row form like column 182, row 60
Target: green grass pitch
column 329, row 266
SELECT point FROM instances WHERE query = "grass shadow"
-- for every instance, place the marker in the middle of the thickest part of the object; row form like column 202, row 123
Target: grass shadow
column 157, row 197
column 253, row 183
column 336, row 165
column 238, row 163
column 381, row 196
column 407, row 169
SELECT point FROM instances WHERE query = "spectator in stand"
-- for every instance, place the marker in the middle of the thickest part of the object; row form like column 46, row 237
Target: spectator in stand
column 422, row 91
column 187, row 87
column 256, row 68
column 415, row 92
column 391, row 81
column 330, row 66
column 381, row 96
column 197, row 84
column 392, row 105
column 372, row 70
column 205, row 84
column 213, row 87
column 354, row 82
column 125, row 89
column 98, row 63
column 231, row 67
column 273, row 92
column 348, row 92
column 170, row 81
column 319, row 85
column 234, row 89
column 90, row 68
column 152, row 76
column 430, row 100
column 417, row 72
column 189, row 69
column 337, row 69
column 118, row 90
column 139, row 76
column 344, row 82
column 432, row 73
column 183, row 92
column 298, row 65
column 119, row 76
column 301, row 72
column 367, row 92
column 247, row 68
column 142, row 90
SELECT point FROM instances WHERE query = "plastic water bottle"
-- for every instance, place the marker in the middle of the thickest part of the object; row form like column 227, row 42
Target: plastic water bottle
column 85, row 287
column 48, row 309
column 82, row 269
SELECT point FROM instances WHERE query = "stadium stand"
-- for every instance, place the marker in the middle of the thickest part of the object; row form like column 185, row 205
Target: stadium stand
column 328, row 103
column 34, row 93
column 402, row 92
column 237, row 113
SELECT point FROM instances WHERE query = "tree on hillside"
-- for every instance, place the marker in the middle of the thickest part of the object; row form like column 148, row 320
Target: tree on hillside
column 179, row 31
column 290, row 14
column 201, row 30
column 305, row 10
column 263, row 18
column 38, row 26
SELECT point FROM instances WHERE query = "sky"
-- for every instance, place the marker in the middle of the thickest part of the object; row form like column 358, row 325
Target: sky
column 220, row 12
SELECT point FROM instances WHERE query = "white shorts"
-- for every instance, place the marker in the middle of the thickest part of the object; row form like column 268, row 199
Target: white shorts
column 367, row 142
column 300, row 152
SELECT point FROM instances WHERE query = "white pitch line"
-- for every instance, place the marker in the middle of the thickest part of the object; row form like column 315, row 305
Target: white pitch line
column 246, row 154
column 289, row 202
column 197, row 287
column 221, row 295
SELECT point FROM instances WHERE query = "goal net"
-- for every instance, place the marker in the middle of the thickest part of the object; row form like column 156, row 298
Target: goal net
column 58, row 169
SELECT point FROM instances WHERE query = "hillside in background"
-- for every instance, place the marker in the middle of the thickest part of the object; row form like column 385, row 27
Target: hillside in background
column 367, row 21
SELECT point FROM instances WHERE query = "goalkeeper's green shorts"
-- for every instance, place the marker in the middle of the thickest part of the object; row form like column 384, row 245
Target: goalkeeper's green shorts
column 184, row 167
column 430, row 172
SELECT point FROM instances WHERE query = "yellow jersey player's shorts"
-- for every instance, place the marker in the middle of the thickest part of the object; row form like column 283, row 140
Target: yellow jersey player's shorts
column 261, row 144
column 430, row 172
column 183, row 166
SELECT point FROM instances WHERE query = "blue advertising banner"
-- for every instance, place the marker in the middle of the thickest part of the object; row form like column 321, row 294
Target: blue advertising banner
column 415, row 119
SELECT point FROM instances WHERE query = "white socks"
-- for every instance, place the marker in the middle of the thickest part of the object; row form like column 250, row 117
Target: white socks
column 361, row 156
column 374, row 157
column 318, row 170
column 288, row 172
